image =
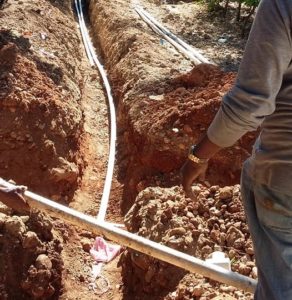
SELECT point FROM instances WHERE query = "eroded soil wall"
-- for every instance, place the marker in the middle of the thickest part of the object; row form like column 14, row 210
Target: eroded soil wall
column 40, row 114
column 41, row 128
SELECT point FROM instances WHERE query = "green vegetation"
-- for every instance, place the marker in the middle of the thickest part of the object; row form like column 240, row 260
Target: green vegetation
column 235, row 8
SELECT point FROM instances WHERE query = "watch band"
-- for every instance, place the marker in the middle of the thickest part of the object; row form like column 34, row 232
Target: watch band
column 194, row 158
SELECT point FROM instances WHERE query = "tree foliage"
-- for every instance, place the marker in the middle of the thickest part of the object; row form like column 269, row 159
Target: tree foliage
column 235, row 7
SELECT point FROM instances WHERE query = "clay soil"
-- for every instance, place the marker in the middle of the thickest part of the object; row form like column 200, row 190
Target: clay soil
column 54, row 131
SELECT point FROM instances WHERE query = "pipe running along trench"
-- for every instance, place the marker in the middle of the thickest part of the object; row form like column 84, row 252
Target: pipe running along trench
column 122, row 237
column 90, row 51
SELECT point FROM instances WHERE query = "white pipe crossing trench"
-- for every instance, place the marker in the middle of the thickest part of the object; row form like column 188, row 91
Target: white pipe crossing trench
column 138, row 243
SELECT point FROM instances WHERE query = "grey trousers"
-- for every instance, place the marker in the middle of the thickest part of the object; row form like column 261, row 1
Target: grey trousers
column 269, row 216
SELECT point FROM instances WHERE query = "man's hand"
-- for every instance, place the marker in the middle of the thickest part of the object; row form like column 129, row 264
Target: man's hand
column 13, row 197
column 191, row 171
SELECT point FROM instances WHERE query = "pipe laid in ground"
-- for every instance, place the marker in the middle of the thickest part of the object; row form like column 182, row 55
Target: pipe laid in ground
column 176, row 38
column 83, row 35
column 113, row 126
column 182, row 46
column 138, row 243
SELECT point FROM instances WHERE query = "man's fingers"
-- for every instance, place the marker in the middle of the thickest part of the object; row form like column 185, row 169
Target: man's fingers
column 188, row 173
column 202, row 176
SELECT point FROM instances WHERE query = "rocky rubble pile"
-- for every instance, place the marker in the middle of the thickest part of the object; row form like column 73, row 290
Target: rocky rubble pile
column 30, row 262
column 215, row 221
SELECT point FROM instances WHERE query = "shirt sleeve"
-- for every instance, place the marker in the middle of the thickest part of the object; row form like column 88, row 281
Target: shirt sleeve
column 266, row 58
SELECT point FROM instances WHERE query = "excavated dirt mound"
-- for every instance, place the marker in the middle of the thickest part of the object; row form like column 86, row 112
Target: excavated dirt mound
column 30, row 262
column 45, row 131
column 45, row 88
column 40, row 117
column 214, row 222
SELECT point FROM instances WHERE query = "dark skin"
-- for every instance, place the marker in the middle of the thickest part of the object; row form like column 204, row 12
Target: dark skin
column 192, row 171
column 13, row 198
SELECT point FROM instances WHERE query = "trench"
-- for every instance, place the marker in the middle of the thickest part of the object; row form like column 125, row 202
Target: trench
column 160, row 111
column 163, row 106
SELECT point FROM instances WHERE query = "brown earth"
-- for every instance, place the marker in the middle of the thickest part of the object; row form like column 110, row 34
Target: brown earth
column 214, row 222
column 49, row 99
column 40, row 118
column 54, row 139
column 30, row 260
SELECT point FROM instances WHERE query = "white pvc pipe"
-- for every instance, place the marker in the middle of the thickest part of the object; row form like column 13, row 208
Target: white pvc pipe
column 171, row 41
column 113, row 130
column 138, row 243
column 176, row 38
column 83, row 36
column 172, row 38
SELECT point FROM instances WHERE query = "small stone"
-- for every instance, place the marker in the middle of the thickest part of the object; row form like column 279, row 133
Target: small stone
column 86, row 244
column 227, row 289
column 177, row 231
column 225, row 193
column 15, row 226
column 3, row 218
column 190, row 215
column 231, row 253
column 43, row 262
column 170, row 203
column 5, row 209
column 198, row 291
column 189, row 240
column 24, row 219
column 30, row 240
column 196, row 189
column 244, row 269
column 233, row 235
column 222, row 40
column 254, row 272
column 67, row 172
column 249, row 251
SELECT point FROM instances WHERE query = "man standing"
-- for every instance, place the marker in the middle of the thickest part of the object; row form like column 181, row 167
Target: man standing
column 261, row 95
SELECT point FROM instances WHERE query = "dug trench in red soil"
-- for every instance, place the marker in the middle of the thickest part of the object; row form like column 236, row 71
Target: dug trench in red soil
column 161, row 112
column 46, row 97
column 49, row 97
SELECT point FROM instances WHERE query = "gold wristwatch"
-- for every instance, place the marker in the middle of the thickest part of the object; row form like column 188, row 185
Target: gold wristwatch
column 194, row 158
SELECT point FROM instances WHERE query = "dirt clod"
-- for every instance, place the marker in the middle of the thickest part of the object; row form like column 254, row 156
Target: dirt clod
column 32, row 266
